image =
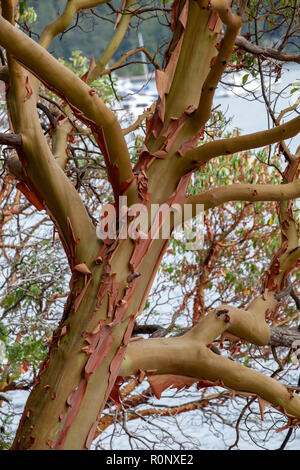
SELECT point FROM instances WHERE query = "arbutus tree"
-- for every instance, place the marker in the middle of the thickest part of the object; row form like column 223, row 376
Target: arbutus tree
column 111, row 279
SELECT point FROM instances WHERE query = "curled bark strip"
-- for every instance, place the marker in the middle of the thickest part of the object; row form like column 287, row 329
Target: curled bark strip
column 92, row 65
column 122, row 305
column 161, row 82
column 212, row 21
column 146, row 159
column 112, row 297
column 28, row 89
column 142, row 184
column 50, row 443
column 159, row 383
column 132, row 276
column 179, row 194
column 73, row 241
column 115, row 392
column 114, row 369
column 176, row 124
column 142, row 245
column 82, row 268
column 140, row 249
column 78, row 299
column 91, row 434
column 184, row 14
column 101, row 343
column 74, row 400
column 31, row 195
column 129, row 329
column 164, row 78
column 119, row 15
column 100, row 256
column 192, row 143
column 262, row 405
column 291, row 170
column 104, row 288
column 174, row 14
column 125, row 185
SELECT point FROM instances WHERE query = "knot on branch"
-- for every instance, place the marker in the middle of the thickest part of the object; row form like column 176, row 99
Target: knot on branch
column 15, row 167
column 225, row 313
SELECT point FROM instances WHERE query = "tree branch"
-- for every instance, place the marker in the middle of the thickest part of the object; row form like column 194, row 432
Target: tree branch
column 279, row 337
column 67, row 85
column 12, row 140
column 139, row 120
column 266, row 51
column 48, row 113
column 4, row 76
column 42, row 181
column 125, row 56
column 245, row 192
column 189, row 355
column 114, row 42
column 233, row 24
column 60, row 24
column 283, row 337
column 60, row 142
column 231, row 145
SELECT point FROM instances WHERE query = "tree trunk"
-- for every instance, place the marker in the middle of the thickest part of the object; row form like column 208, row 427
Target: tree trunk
column 77, row 376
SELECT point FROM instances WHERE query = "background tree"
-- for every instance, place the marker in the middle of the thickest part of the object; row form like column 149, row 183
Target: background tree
column 54, row 134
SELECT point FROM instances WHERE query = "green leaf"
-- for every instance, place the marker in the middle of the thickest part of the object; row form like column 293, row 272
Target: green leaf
column 245, row 78
column 35, row 290
column 23, row 6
